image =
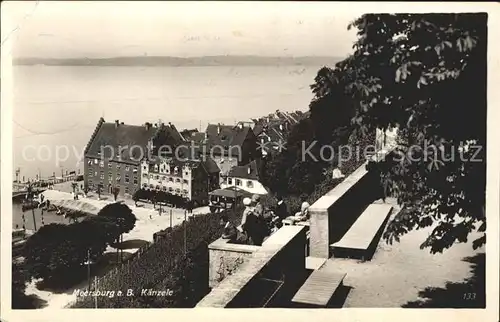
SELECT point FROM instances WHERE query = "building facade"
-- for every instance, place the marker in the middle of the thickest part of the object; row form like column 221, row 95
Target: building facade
column 245, row 177
column 191, row 179
column 115, row 151
column 230, row 145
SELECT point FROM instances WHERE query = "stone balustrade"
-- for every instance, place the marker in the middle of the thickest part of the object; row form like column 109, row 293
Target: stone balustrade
column 281, row 256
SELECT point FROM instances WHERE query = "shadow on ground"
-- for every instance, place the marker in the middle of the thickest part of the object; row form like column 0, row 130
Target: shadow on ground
column 469, row 294
column 131, row 244
column 66, row 284
column 21, row 301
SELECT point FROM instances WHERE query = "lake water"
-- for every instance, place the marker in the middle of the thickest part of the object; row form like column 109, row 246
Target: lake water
column 57, row 108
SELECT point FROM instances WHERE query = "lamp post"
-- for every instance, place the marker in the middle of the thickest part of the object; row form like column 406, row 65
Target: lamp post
column 88, row 268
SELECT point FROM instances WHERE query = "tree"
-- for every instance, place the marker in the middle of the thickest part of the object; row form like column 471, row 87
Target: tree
column 116, row 191
column 138, row 194
column 121, row 214
column 425, row 75
column 51, row 252
column 99, row 190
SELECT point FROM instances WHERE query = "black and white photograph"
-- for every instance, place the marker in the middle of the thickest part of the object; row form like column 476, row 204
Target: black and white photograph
column 284, row 155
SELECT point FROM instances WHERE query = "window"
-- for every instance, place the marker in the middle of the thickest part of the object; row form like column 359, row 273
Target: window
column 110, row 175
column 157, row 187
column 144, row 175
column 118, row 178
column 177, row 180
column 156, row 168
column 127, row 168
column 185, row 181
column 157, row 177
column 164, row 188
column 238, row 182
column 127, row 179
column 151, row 186
column 135, row 170
column 102, row 175
column 96, row 161
column 186, row 173
column 170, row 189
column 145, row 167
column 249, row 184
column 177, row 190
column 145, row 185
column 95, row 174
column 185, row 191
column 110, row 165
column 135, row 181
column 170, row 179
column 164, row 178
column 151, row 176
column 176, row 170
column 118, row 166
column 89, row 162
column 101, row 164
column 126, row 190
column 229, row 181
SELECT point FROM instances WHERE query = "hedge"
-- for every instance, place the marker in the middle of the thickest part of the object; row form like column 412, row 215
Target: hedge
column 167, row 264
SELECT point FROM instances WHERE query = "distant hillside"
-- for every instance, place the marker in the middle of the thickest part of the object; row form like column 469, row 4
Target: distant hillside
column 179, row 61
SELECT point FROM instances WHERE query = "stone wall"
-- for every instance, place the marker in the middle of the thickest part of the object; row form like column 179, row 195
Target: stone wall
column 281, row 257
column 225, row 258
column 335, row 212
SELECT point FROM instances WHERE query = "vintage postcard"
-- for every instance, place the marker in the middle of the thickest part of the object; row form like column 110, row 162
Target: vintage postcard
column 292, row 158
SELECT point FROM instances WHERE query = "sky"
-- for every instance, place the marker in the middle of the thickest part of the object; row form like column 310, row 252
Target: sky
column 110, row 29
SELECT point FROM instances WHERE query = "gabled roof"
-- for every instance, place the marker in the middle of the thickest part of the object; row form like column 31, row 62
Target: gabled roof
column 226, row 137
column 131, row 140
column 249, row 171
column 187, row 134
column 206, row 162
column 112, row 137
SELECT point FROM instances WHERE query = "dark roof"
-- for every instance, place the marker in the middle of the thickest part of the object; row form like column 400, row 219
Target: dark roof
column 226, row 136
column 211, row 166
column 186, row 133
column 258, row 128
column 249, row 171
column 197, row 137
column 120, row 136
column 230, row 192
column 207, row 162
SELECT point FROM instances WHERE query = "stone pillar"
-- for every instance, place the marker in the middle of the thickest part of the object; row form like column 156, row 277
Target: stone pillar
column 319, row 239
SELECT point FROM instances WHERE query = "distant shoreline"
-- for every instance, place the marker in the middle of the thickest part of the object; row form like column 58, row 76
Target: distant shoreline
column 181, row 61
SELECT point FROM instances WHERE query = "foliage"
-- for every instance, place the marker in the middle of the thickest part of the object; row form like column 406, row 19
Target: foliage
column 425, row 75
column 19, row 299
column 121, row 214
column 178, row 260
column 156, row 196
column 56, row 251
column 115, row 191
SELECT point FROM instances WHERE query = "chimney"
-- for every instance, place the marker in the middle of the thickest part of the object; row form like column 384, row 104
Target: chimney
column 218, row 128
column 147, row 125
column 117, row 122
column 240, row 126
column 249, row 170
